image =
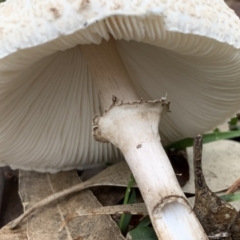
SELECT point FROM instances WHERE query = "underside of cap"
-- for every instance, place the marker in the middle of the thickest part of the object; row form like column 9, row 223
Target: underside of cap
column 39, row 22
column 47, row 99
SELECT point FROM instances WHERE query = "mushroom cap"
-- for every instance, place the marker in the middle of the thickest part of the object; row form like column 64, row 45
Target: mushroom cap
column 189, row 50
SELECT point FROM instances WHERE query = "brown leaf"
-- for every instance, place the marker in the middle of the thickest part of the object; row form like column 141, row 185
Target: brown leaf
column 234, row 228
column 46, row 221
column 109, row 195
column 215, row 215
column 116, row 175
column 18, row 234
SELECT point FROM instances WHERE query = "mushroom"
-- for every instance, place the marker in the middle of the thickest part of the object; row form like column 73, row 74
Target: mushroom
column 63, row 61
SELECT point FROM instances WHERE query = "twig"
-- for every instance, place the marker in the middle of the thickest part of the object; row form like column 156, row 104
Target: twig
column 234, row 187
column 90, row 183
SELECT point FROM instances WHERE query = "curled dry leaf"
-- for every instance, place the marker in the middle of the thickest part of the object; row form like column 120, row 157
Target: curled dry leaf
column 216, row 216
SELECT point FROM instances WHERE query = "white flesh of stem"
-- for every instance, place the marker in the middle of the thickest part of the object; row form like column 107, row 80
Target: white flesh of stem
column 108, row 80
column 140, row 144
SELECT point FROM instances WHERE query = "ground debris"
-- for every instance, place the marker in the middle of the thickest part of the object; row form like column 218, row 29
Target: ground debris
column 219, row 219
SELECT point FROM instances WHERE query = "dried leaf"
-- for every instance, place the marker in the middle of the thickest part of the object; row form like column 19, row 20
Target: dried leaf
column 46, row 221
column 19, row 234
column 236, row 205
column 234, row 228
column 11, row 236
column 215, row 215
column 109, row 195
column 134, row 209
column 220, row 165
column 116, row 175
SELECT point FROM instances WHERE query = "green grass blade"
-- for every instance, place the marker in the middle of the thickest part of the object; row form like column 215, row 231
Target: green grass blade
column 231, row 197
column 144, row 222
column 130, row 197
column 207, row 138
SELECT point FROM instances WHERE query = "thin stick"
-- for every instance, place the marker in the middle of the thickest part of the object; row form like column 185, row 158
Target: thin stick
column 234, row 187
column 200, row 183
column 81, row 186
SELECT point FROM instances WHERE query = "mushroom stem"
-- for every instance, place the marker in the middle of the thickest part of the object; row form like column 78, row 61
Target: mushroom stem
column 133, row 128
column 109, row 74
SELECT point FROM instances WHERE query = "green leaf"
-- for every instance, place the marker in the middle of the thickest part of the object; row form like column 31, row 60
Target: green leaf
column 207, row 138
column 231, row 197
column 142, row 233
column 233, row 121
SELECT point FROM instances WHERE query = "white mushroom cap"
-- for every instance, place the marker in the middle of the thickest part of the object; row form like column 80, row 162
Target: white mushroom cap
column 188, row 50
